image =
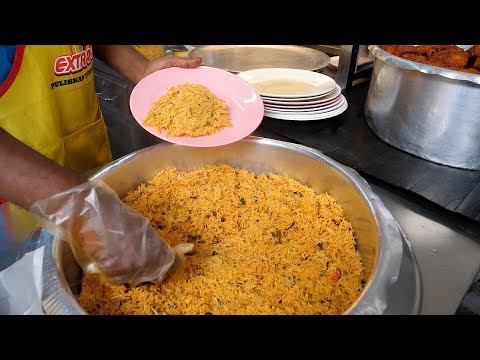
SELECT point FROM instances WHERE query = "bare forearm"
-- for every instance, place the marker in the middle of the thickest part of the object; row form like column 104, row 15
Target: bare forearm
column 27, row 176
column 124, row 59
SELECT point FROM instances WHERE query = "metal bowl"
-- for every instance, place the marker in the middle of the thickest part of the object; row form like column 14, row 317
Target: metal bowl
column 427, row 111
column 378, row 237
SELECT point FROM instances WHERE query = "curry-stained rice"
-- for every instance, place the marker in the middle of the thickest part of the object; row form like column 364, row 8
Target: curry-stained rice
column 264, row 244
column 188, row 110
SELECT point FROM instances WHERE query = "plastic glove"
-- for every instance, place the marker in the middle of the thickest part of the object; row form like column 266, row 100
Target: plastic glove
column 107, row 236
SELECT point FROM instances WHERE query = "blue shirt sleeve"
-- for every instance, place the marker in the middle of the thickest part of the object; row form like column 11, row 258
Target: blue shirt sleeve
column 7, row 53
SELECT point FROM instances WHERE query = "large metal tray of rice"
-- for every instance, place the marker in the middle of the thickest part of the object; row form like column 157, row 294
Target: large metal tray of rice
column 278, row 228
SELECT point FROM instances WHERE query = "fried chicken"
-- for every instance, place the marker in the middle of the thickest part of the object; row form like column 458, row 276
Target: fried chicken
column 425, row 50
column 399, row 50
column 474, row 51
column 445, row 56
column 476, row 64
column 451, row 58
column 414, row 57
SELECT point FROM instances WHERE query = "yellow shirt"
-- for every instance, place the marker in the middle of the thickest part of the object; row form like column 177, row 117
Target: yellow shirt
column 48, row 102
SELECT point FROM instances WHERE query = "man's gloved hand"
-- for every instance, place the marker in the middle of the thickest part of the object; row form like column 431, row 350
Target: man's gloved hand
column 107, row 236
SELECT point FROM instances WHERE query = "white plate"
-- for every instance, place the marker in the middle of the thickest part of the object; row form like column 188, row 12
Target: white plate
column 301, row 107
column 307, row 111
column 321, row 116
column 328, row 107
column 308, row 118
column 297, row 98
column 304, row 101
column 288, row 83
column 322, row 107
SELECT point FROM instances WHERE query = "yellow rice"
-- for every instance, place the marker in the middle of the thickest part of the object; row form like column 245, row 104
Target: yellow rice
column 188, row 110
column 264, row 244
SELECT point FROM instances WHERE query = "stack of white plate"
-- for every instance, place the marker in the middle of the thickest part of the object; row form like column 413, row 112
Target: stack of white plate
column 293, row 94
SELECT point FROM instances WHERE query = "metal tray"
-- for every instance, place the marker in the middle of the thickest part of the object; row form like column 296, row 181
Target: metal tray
column 238, row 58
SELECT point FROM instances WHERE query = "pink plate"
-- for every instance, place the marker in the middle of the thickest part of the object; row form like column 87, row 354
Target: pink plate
column 243, row 102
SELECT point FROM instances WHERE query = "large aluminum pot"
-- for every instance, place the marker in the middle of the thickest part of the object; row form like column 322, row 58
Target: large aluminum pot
column 378, row 237
column 427, row 111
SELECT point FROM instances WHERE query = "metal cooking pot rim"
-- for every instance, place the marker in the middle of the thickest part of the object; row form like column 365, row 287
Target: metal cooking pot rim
column 58, row 298
column 385, row 56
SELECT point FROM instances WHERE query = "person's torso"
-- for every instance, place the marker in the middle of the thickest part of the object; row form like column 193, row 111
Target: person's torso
column 48, row 102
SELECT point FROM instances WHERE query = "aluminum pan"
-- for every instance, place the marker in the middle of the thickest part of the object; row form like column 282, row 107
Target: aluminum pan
column 385, row 56
column 377, row 232
column 430, row 116
column 238, row 58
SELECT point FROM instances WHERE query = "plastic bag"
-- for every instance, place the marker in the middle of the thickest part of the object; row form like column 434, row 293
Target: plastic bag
column 21, row 286
column 107, row 236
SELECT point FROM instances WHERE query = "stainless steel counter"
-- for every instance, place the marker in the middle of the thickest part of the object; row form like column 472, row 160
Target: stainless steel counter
column 447, row 248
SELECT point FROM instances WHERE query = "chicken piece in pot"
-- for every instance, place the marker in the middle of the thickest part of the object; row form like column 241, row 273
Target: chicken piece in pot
column 450, row 58
column 476, row 64
column 474, row 51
